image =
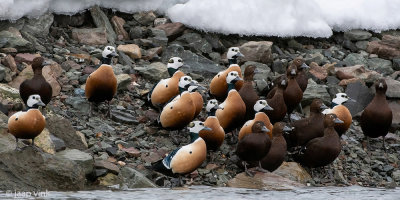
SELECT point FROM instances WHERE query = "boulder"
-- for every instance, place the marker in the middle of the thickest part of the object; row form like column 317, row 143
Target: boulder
column 357, row 35
column 83, row 159
column 101, row 21
column 118, row 24
column 293, row 171
column 387, row 48
column 154, row 72
column 172, row 30
column 132, row 50
column 257, row 51
column 123, row 81
column 195, row 43
column 20, row 169
column 45, row 142
column 13, row 40
column 359, row 72
column 91, row 36
column 263, row 181
column 62, row 128
column 355, row 59
column 395, row 107
column 7, row 141
column 380, row 65
column 314, row 91
column 39, row 26
column 25, row 57
column 359, row 92
column 393, row 90
column 10, row 92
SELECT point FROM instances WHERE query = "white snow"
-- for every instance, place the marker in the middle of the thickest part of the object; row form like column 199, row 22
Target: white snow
column 313, row 18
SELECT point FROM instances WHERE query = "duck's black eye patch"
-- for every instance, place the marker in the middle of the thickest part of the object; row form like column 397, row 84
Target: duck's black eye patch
column 190, row 152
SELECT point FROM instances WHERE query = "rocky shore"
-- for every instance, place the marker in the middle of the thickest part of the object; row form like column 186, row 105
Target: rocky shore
column 80, row 152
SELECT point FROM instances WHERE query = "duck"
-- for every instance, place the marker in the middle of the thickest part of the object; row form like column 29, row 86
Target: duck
column 218, row 85
column 28, row 124
column 276, row 154
column 254, row 146
column 277, row 103
column 308, row 128
column 376, row 118
column 196, row 96
column 301, row 77
column 168, row 88
column 214, row 137
column 322, row 151
column 233, row 108
column 107, row 55
column 259, row 107
column 293, row 93
column 341, row 111
column 247, row 92
column 38, row 84
column 185, row 159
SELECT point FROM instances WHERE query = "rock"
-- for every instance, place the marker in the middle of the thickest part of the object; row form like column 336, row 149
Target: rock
column 315, row 57
column 380, row 65
column 118, row 24
column 318, row 72
column 391, row 40
column 79, row 103
column 154, row 72
column 101, row 21
column 359, row 92
column 102, row 164
column 59, row 144
column 132, row 178
column 136, row 32
column 393, row 90
column 363, row 45
column 313, row 91
column 8, row 91
column 62, row 128
column 109, row 180
column 359, row 72
column 279, row 66
column 25, row 57
column 9, row 62
column 19, row 169
column 357, row 35
column 7, row 141
column 347, row 44
column 385, row 48
column 195, row 43
column 294, row 44
column 197, row 63
column 160, row 21
column 45, row 142
column 145, row 18
column 131, row 151
column 396, row 64
column 264, row 72
column 257, row 51
column 12, row 40
column 263, row 181
column 132, row 50
column 2, row 72
column 172, row 30
column 123, row 81
column 75, row 20
column 84, row 160
column 123, row 117
column 151, row 53
column 355, row 59
column 396, row 175
column 51, row 74
column 294, row 172
column 39, row 26
column 91, row 36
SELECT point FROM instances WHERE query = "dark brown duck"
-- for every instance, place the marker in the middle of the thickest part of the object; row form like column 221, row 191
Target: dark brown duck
column 293, row 93
column 301, row 77
column 277, row 103
column 247, row 92
column 38, row 84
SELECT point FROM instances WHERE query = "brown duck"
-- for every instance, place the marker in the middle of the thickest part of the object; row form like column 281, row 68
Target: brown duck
column 218, row 85
column 277, row 103
column 301, row 77
column 38, row 84
column 321, row 151
column 260, row 106
column 293, row 93
column 376, row 118
column 214, row 137
column 247, row 92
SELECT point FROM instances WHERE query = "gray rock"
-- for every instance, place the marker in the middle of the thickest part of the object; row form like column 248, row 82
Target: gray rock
column 132, row 178
column 393, row 90
column 123, row 117
column 355, row 59
column 359, row 92
column 294, row 45
column 195, row 43
column 40, row 26
column 396, row 175
column 62, row 128
column 396, row 64
column 314, row 91
column 123, row 81
column 362, row 45
column 279, row 66
column 257, row 51
column 7, row 141
column 35, row 42
column 197, row 63
column 154, row 72
column 215, row 56
column 315, row 57
column 83, row 159
column 29, row 170
column 2, row 72
column 347, row 44
column 59, row 144
column 11, row 40
column 214, row 41
column 356, row 35
column 145, row 18
column 160, row 21
column 159, row 37
column 264, row 70
column 99, row 126
column 79, row 103
column 380, row 65
column 136, row 32
column 101, row 20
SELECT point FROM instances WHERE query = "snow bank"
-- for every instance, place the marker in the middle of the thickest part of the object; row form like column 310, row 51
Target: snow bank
column 313, row 18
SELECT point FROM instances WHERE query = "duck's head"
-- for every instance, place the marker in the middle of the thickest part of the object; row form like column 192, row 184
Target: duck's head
column 261, row 106
column 212, row 105
column 233, row 77
column 185, row 82
column 109, row 52
column 175, row 63
column 249, row 72
column 195, row 127
column 34, row 101
column 341, row 98
column 300, row 64
column 317, row 106
column 234, row 53
column 281, row 128
column 259, row 127
column 331, row 119
column 39, row 63
column 380, row 85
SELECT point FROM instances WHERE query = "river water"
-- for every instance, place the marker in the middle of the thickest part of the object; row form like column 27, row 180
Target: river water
column 208, row 193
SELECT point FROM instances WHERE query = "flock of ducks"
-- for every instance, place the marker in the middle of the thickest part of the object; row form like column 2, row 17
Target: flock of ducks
column 256, row 125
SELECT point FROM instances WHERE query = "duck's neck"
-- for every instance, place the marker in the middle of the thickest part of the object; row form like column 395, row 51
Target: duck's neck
column 211, row 113
column 231, row 86
column 232, row 61
column 37, row 72
column 333, row 104
column 193, row 137
column 106, row 61
column 181, row 90
column 171, row 71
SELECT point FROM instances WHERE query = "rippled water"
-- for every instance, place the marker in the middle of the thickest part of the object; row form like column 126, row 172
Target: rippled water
column 207, row 193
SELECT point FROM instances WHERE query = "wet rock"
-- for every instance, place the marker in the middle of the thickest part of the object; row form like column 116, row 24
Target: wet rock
column 132, row 50
column 313, row 91
column 293, row 171
column 123, row 117
column 263, row 181
column 101, row 21
column 197, row 63
column 19, row 169
column 355, row 59
column 62, row 128
column 131, row 178
column 318, row 72
column 172, row 30
column 380, row 65
column 393, row 90
column 118, row 24
column 78, row 103
column 39, row 26
column 102, row 164
column 91, row 36
column 154, row 72
column 359, row 92
column 123, row 81
column 12, row 40
column 45, row 142
column 257, row 51
column 84, row 160
column 357, row 35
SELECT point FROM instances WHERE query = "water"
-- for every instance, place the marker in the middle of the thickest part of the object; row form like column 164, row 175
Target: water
column 208, row 193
